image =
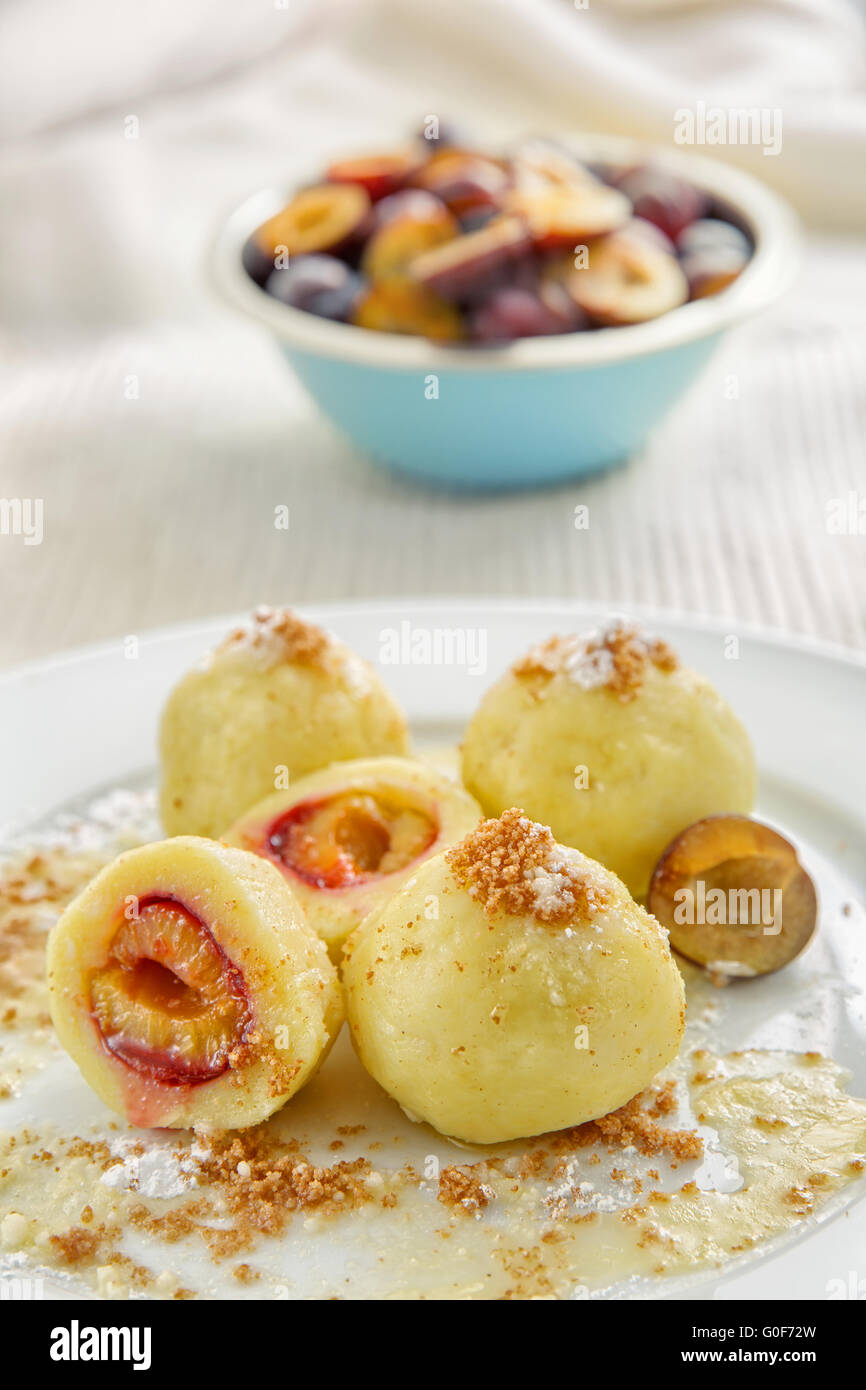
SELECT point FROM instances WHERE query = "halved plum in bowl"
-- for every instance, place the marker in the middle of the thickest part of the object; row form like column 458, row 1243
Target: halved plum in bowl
column 489, row 383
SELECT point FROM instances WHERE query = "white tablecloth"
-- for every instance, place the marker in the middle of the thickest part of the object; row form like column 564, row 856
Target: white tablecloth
column 161, row 434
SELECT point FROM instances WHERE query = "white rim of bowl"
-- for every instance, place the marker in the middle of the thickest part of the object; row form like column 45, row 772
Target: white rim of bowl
column 771, row 222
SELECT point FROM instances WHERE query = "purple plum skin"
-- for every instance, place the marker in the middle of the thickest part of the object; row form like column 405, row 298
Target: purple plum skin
column 512, row 313
column 319, row 285
column 668, row 202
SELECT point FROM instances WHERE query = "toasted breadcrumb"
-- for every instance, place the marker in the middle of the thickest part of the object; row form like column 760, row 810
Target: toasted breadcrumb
column 280, row 635
column 514, row 865
column 615, row 658
column 78, row 1245
column 633, row 1124
column 462, row 1188
column 664, row 1101
column 274, row 1180
column 801, row 1199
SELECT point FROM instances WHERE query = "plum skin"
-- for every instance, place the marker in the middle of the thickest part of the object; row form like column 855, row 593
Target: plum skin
column 514, row 312
column 318, row 284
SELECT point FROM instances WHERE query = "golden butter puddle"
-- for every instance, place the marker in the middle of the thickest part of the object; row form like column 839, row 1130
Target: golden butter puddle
column 788, row 1138
column 341, row 1195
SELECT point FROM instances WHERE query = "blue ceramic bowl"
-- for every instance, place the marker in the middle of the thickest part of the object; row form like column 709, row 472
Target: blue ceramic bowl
column 540, row 410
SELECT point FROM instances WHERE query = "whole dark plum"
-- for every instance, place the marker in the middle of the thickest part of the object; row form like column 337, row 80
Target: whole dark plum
column 712, row 254
column 711, row 233
column 256, row 262
column 320, row 285
column 668, row 202
column 522, row 313
column 476, row 218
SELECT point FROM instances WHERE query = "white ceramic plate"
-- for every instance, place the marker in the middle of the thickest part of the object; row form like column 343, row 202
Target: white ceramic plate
column 86, row 721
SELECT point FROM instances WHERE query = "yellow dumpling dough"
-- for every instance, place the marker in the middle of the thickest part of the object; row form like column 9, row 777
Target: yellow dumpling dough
column 347, row 837
column 512, row 987
column 613, row 744
column 279, row 695
column 188, row 988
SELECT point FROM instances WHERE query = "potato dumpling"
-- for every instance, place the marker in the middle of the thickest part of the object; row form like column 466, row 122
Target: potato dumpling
column 347, row 837
column 188, row 988
column 611, row 742
column 281, row 694
column 512, row 987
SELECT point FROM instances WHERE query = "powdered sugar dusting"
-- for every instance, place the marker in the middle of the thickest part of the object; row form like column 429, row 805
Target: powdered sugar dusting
column 514, row 865
column 109, row 823
column 590, row 662
column 277, row 634
column 155, row 1171
column 553, row 883
column 614, row 657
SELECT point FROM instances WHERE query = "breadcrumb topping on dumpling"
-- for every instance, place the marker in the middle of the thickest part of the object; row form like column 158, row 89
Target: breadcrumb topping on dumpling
column 514, row 865
column 278, row 634
column 614, row 657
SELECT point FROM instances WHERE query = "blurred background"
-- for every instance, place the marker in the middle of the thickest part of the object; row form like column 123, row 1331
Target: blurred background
column 159, row 433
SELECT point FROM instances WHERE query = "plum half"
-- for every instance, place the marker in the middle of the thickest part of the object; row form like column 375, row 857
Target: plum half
column 734, row 897
column 189, row 989
column 407, row 223
column 566, row 215
column 326, row 217
column 627, row 280
column 472, row 265
column 463, row 180
column 168, row 1002
column 350, row 837
column 401, row 306
column 378, row 175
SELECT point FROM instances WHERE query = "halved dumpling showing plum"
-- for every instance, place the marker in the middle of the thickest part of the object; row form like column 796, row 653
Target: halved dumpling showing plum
column 188, row 988
column 347, row 837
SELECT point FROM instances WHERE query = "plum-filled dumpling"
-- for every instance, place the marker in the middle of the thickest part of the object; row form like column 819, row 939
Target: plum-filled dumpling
column 611, row 742
column 189, row 989
column 277, row 699
column 512, row 987
column 347, row 837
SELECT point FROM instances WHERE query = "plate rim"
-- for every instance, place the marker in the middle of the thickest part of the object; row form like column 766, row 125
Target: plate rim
column 323, row 612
